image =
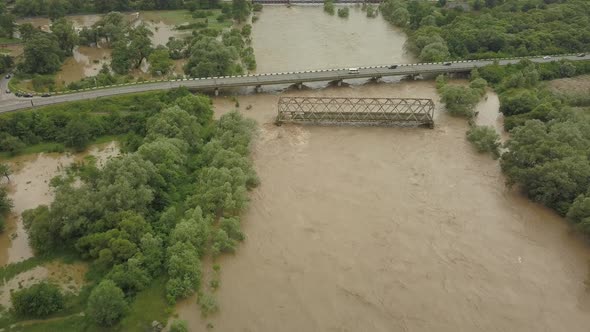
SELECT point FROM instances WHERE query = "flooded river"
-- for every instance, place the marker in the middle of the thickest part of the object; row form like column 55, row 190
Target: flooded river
column 392, row 229
column 29, row 188
column 305, row 37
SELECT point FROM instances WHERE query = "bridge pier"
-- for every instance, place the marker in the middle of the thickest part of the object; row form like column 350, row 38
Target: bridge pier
column 299, row 86
column 216, row 92
column 339, row 82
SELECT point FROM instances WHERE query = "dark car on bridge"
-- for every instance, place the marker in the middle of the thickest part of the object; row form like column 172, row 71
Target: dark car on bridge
column 392, row 67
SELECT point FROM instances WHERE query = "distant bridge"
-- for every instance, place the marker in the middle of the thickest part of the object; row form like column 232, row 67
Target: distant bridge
column 268, row 2
column 297, row 78
column 356, row 111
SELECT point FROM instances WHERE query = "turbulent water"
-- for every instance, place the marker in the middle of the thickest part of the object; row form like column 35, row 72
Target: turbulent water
column 304, row 37
column 384, row 229
column 391, row 229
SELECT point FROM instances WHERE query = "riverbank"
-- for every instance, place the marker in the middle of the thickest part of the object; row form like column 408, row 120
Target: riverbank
column 381, row 228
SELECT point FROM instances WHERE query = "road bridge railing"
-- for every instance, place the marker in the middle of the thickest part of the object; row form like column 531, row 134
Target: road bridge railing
column 259, row 80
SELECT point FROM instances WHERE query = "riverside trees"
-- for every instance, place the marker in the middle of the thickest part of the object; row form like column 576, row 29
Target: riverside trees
column 157, row 211
column 491, row 28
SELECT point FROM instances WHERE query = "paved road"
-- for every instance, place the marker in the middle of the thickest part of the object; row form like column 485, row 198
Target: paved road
column 267, row 79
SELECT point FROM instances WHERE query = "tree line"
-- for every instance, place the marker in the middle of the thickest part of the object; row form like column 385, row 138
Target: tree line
column 207, row 54
column 548, row 153
column 59, row 8
column 490, row 28
column 157, row 210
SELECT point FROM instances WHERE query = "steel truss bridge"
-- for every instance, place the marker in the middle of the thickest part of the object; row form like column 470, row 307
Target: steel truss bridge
column 356, row 111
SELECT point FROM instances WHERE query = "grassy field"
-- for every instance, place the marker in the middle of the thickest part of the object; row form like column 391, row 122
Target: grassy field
column 149, row 305
column 10, row 41
column 179, row 17
column 57, row 147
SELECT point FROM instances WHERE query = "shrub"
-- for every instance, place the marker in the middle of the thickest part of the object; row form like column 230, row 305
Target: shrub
column 106, row 304
column 329, row 7
column 484, row 139
column 39, row 300
column 179, row 326
column 343, row 12
column 207, row 303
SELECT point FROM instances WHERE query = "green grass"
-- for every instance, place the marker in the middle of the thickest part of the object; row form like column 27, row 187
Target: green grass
column 148, row 305
column 7, row 272
column 179, row 17
column 58, row 147
column 10, row 41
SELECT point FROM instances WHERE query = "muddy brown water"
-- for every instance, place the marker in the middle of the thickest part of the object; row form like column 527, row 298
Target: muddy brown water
column 29, row 188
column 304, row 37
column 87, row 61
column 391, row 229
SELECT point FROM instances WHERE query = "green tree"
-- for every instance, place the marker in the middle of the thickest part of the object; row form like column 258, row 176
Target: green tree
column 140, row 46
column 42, row 54
column 210, row 58
column 329, row 7
column 179, row 326
column 106, row 303
column 579, row 213
column 66, row 35
column 241, row 10
column 434, row 52
column 121, row 58
column 39, row 300
column 343, row 12
column 77, row 134
column 459, row 100
column 485, row 139
column 184, row 271
column 42, row 232
column 5, row 171
column 160, row 62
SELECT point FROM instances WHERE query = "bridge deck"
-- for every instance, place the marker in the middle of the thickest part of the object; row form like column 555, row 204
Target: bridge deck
column 370, row 111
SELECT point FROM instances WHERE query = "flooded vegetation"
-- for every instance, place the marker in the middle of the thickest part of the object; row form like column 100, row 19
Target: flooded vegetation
column 381, row 228
column 87, row 61
column 29, row 188
column 347, row 228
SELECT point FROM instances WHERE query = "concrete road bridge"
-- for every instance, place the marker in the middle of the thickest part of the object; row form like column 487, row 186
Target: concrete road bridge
column 297, row 78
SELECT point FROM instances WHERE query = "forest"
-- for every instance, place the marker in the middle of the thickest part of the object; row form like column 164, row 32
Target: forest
column 155, row 212
column 492, row 28
column 211, row 50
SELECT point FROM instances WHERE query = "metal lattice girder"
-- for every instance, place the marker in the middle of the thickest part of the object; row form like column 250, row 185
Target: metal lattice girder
column 335, row 110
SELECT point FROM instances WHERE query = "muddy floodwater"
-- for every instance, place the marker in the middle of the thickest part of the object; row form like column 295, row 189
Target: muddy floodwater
column 305, row 37
column 87, row 61
column 391, row 229
column 29, row 188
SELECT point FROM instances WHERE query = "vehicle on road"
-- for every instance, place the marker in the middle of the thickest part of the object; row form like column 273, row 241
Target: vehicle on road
column 447, row 63
column 7, row 76
column 27, row 95
column 546, row 57
column 46, row 95
column 392, row 67
column 7, row 91
column 353, row 70
column 581, row 55
column 18, row 94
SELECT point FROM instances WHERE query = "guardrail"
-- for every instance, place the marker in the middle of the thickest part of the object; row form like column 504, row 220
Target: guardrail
column 185, row 79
